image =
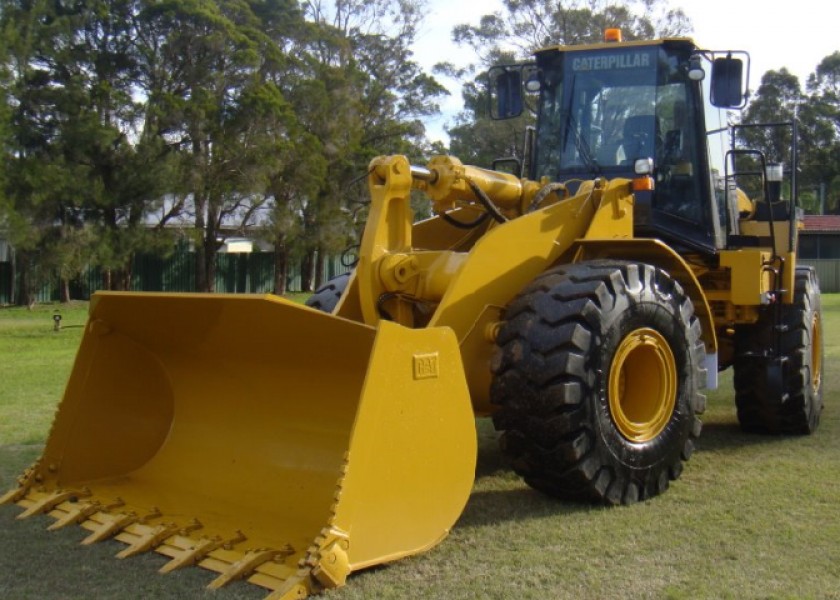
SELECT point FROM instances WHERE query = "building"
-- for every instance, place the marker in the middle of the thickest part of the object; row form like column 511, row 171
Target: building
column 820, row 237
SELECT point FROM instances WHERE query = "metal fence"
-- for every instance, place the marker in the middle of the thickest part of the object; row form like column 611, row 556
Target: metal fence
column 245, row 273
column 6, row 286
column 251, row 273
column 828, row 271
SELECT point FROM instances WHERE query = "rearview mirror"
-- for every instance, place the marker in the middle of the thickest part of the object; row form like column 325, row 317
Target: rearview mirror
column 505, row 93
column 728, row 89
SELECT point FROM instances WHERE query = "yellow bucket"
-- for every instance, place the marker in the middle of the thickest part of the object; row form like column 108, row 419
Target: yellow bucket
column 257, row 438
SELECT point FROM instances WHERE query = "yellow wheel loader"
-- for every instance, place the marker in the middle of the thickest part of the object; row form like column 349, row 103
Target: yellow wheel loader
column 584, row 301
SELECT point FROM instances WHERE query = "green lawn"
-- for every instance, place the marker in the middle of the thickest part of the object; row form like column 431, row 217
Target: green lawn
column 751, row 517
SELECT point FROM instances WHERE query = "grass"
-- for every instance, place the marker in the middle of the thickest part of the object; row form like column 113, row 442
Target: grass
column 751, row 517
column 35, row 364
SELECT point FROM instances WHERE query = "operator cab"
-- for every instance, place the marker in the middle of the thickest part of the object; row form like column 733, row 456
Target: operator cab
column 629, row 110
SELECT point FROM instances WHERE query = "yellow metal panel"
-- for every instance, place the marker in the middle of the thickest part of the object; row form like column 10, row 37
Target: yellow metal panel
column 789, row 283
column 614, row 217
column 412, row 456
column 761, row 229
column 749, row 280
column 437, row 234
column 478, row 345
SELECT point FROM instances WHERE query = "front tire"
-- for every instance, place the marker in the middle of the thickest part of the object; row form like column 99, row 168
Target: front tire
column 782, row 396
column 326, row 297
column 597, row 377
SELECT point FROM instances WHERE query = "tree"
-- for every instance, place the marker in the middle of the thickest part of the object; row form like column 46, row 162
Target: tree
column 81, row 183
column 475, row 138
column 779, row 99
column 213, row 106
column 5, row 140
column 776, row 100
column 362, row 95
column 234, row 113
column 30, row 210
column 524, row 26
column 820, row 118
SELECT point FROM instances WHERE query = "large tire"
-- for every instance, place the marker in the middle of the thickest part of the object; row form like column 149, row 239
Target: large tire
column 782, row 397
column 327, row 296
column 597, row 377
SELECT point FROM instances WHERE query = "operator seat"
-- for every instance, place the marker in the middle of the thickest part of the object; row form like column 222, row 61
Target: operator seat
column 640, row 133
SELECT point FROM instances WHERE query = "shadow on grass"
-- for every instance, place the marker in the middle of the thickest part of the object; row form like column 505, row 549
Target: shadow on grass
column 490, row 460
column 490, row 507
column 728, row 437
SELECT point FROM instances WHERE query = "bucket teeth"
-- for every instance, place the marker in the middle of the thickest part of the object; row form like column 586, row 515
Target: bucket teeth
column 200, row 550
column 13, row 496
column 76, row 515
column 110, row 528
column 192, row 556
column 296, row 588
column 149, row 540
column 47, row 503
column 248, row 563
column 117, row 523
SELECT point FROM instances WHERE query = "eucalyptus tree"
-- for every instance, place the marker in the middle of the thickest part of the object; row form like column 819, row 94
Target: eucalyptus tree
column 227, row 113
column 210, row 103
column 523, row 26
column 777, row 99
column 820, row 117
column 5, row 130
column 81, row 179
column 367, row 97
column 38, row 192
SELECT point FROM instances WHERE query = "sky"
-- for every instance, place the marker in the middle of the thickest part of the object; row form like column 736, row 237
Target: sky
column 796, row 37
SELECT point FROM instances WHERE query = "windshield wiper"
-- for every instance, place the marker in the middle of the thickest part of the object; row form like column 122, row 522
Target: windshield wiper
column 581, row 145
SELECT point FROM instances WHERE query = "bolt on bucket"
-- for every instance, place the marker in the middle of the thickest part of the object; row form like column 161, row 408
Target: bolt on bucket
column 257, row 438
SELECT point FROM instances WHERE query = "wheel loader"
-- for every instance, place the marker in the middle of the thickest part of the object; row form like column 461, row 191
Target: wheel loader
column 584, row 298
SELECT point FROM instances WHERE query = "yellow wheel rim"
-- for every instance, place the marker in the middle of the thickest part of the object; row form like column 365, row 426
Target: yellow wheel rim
column 642, row 385
column 816, row 352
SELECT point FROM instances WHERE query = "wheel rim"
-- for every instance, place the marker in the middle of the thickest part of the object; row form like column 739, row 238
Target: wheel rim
column 816, row 352
column 642, row 385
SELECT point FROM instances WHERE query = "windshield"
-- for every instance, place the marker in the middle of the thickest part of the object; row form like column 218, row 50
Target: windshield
column 600, row 110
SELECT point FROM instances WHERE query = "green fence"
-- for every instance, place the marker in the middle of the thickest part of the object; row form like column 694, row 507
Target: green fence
column 6, row 283
column 246, row 273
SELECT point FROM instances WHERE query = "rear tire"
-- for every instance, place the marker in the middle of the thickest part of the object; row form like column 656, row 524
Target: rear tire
column 791, row 399
column 327, row 296
column 597, row 377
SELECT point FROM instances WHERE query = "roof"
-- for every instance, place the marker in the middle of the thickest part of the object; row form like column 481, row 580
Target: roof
column 624, row 44
column 821, row 223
